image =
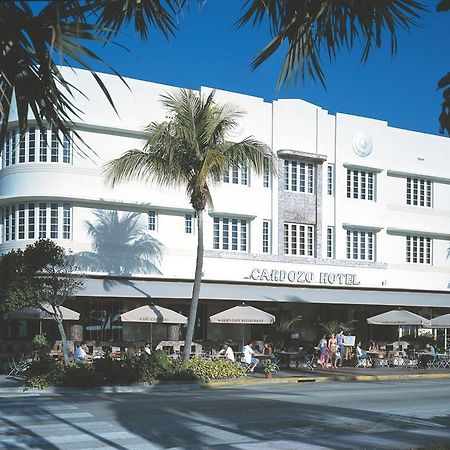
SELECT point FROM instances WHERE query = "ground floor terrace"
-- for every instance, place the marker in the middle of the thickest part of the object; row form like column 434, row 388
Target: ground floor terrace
column 302, row 314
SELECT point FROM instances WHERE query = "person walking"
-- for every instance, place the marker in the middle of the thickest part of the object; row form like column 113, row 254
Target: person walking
column 332, row 345
column 340, row 343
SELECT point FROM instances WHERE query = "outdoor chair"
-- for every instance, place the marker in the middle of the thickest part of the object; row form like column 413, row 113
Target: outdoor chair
column 433, row 363
column 307, row 363
column 18, row 366
column 412, row 363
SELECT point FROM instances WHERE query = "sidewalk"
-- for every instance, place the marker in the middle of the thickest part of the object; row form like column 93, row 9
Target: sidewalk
column 342, row 374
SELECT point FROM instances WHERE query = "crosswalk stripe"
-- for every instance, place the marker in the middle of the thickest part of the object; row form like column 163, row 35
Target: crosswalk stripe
column 41, row 416
column 57, row 426
column 66, row 439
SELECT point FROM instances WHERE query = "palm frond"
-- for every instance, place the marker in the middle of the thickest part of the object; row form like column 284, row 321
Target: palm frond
column 311, row 27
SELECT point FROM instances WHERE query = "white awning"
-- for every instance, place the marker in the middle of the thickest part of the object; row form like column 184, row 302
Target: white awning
column 153, row 314
column 440, row 322
column 243, row 314
column 398, row 317
column 32, row 313
column 253, row 292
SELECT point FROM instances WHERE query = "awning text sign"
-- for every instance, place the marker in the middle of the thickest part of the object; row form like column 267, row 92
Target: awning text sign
column 299, row 277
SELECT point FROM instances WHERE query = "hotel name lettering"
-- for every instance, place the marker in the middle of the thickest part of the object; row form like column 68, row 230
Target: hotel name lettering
column 298, row 277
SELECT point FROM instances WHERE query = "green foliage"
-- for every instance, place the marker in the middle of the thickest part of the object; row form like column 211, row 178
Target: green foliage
column 117, row 372
column 334, row 326
column 211, row 369
column 420, row 341
column 270, row 366
column 40, row 344
column 44, row 373
column 81, row 375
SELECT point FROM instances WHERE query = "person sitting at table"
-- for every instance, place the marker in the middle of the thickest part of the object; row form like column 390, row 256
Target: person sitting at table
column 248, row 356
column 268, row 350
column 428, row 356
column 146, row 351
column 361, row 356
column 227, row 352
column 373, row 346
column 80, row 356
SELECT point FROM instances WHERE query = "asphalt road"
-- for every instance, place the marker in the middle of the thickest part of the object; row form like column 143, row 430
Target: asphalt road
column 391, row 415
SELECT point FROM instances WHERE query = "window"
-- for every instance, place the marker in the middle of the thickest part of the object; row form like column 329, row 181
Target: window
column 360, row 184
column 42, row 220
column 266, row 241
column 360, row 245
column 230, row 234
column 43, row 145
column 152, row 220
column 418, row 192
column 22, row 149
column 298, row 239
column 54, row 145
column 54, row 220
column 32, row 144
column 19, row 149
column 66, row 221
column 418, row 249
column 266, row 173
column 236, row 175
column 14, row 139
column 66, row 150
column 21, row 233
column 7, row 153
column 31, row 220
column 330, row 179
column 330, row 242
column 188, row 224
column 19, row 221
column 299, row 176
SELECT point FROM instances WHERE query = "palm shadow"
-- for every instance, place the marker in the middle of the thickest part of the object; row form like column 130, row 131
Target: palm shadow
column 121, row 246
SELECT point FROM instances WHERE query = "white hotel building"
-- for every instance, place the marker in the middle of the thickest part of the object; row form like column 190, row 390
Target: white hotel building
column 357, row 221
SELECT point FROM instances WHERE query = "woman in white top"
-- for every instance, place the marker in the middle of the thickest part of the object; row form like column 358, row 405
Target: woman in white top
column 249, row 357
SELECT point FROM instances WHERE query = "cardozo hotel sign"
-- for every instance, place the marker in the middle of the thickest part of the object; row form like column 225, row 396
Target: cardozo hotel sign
column 299, row 277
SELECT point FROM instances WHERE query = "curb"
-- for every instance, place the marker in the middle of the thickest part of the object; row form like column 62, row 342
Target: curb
column 168, row 387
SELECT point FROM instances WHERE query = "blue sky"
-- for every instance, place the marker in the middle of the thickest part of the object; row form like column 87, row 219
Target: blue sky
column 208, row 50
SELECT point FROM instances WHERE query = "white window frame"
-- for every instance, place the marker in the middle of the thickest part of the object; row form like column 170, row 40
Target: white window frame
column 361, row 245
column 299, row 176
column 361, row 184
column 330, row 179
column 419, row 250
column 267, row 236
column 189, row 223
column 230, row 234
column 419, row 192
column 237, row 175
column 36, row 220
column 152, row 221
column 330, row 242
column 299, row 239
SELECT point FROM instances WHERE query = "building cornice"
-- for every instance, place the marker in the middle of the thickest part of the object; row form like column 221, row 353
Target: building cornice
column 314, row 157
column 435, row 179
column 352, row 226
column 363, row 168
column 409, row 232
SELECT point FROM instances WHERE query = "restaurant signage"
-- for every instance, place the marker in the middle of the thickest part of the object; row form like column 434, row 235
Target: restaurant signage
column 299, row 277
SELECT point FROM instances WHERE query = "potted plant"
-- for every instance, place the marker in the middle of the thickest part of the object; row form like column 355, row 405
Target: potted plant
column 270, row 367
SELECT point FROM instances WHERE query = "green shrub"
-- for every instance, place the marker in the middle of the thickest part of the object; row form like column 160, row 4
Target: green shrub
column 43, row 373
column 210, row 369
column 157, row 366
column 81, row 375
column 111, row 371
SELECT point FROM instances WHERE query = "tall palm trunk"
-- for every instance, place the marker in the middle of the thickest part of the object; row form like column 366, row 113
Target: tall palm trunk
column 65, row 346
column 195, row 288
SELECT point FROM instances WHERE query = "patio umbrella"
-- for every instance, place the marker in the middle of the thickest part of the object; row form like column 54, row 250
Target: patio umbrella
column 153, row 314
column 243, row 315
column 34, row 313
column 398, row 317
column 441, row 322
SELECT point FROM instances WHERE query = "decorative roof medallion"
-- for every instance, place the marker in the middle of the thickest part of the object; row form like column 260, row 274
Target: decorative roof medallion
column 362, row 143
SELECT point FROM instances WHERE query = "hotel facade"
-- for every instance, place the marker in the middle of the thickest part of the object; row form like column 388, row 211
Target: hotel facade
column 356, row 221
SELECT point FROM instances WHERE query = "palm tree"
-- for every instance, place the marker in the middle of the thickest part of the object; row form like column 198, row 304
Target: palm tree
column 311, row 27
column 121, row 246
column 191, row 149
column 33, row 42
